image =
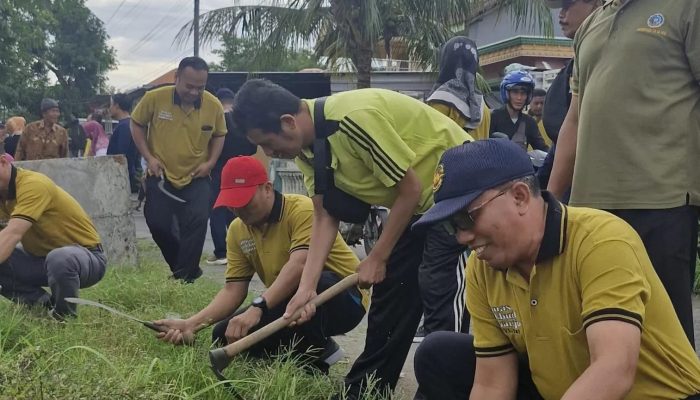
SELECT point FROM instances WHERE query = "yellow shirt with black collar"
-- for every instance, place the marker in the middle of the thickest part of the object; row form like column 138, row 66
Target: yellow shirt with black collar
column 179, row 138
column 266, row 250
column 591, row 267
column 57, row 218
column 382, row 133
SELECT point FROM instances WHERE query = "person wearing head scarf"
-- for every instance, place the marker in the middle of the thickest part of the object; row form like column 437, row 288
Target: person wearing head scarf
column 98, row 138
column 455, row 93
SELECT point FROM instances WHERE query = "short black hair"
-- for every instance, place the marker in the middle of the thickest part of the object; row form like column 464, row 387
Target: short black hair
column 195, row 63
column 122, row 100
column 539, row 92
column 259, row 104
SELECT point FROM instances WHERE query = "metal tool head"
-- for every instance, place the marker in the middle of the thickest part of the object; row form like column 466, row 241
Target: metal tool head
column 86, row 302
column 219, row 360
column 161, row 187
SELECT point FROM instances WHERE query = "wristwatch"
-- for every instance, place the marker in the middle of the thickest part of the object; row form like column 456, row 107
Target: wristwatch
column 260, row 303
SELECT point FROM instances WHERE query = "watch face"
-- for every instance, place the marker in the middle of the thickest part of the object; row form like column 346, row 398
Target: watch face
column 259, row 302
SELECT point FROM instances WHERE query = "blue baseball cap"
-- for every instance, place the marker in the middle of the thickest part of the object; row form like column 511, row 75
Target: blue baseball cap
column 467, row 171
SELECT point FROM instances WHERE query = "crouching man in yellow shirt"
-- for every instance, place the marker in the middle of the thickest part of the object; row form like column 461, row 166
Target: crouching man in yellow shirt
column 60, row 246
column 565, row 303
column 271, row 238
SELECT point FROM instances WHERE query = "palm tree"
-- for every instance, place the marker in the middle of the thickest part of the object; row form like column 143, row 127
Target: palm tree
column 353, row 28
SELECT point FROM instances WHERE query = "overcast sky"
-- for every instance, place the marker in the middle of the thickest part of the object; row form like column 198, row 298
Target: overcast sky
column 142, row 32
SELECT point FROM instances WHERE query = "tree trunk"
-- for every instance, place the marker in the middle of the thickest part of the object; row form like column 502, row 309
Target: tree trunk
column 362, row 58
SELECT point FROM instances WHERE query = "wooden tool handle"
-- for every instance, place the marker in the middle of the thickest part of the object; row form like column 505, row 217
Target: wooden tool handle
column 281, row 322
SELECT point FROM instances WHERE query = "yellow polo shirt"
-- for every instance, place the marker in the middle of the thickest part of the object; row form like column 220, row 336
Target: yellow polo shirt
column 591, row 267
column 381, row 134
column 481, row 132
column 265, row 251
column 57, row 218
column 179, row 138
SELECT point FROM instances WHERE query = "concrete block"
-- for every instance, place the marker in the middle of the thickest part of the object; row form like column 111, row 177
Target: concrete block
column 101, row 186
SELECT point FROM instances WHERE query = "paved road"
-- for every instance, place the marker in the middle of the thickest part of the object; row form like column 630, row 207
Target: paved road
column 353, row 342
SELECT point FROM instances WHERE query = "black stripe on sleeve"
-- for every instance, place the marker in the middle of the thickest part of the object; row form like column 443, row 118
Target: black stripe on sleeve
column 493, row 351
column 243, row 279
column 357, row 129
column 24, row 217
column 612, row 314
column 380, row 157
column 300, row 247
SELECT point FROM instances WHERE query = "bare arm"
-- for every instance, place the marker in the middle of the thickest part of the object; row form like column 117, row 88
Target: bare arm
column 138, row 133
column 183, row 331
column 229, row 298
column 372, row 269
column 565, row 156
column 495, row 378
column 216, row 144
column 287, row 281
column 324, row 230
column 11, row 235
column 614, row 349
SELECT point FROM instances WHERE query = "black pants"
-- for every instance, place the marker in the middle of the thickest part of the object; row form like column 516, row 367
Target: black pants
column 545, row 171
column 392, row 320
column 339, row 315
column 670, row 237
column 179, row 229
column 445, row 364
column 219, row 218
column 442, row 282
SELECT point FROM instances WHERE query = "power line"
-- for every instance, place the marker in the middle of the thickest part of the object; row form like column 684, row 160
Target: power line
column 128, row 13
column 159, row 26
column 154, row 73
column 115, row 12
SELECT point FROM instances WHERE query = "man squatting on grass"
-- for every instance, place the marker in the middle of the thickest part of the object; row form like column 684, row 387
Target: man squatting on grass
column 565, row 303
column 60, row 245
column 271, row 238
column 369, row 146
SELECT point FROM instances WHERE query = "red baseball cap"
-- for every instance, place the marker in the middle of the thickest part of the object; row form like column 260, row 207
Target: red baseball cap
column 239, row 181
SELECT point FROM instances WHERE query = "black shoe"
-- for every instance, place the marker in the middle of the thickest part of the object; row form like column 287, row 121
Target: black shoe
column 332, row 352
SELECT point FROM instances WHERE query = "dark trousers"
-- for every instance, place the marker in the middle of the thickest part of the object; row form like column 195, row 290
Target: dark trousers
column 670, row 237
column 445, row 364
column 219, row 218
column 392, row 320
column 179, row 229
column 65, row 270
column 545, row 171
column 339, row 315
column 442, row 282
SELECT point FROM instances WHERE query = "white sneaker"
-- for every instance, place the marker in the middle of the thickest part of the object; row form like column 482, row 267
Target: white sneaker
column 216, row 261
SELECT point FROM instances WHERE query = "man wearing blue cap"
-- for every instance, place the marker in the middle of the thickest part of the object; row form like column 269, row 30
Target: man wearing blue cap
column 565, row 303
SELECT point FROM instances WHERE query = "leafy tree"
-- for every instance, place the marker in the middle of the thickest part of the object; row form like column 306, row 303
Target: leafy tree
column 52, row 48
column 353, row 28
column 240, row 54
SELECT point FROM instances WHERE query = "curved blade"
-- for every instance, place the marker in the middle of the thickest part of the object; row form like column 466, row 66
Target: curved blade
column 86, row 302
column 161, row 186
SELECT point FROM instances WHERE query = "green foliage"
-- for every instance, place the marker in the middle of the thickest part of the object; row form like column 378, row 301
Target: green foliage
column 242, row 54
column 101, row 356
column 51, row 48
column 353, row 28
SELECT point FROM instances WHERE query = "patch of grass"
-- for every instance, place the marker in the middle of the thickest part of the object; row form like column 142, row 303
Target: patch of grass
column 101, row 356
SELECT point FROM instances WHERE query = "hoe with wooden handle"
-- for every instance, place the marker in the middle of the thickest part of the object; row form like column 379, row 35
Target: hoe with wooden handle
column 220, row 358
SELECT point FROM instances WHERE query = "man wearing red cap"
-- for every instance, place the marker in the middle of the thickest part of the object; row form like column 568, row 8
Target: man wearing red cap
column 271, row 238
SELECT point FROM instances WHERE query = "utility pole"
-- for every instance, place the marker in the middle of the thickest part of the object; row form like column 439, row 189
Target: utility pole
column 196, row 28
